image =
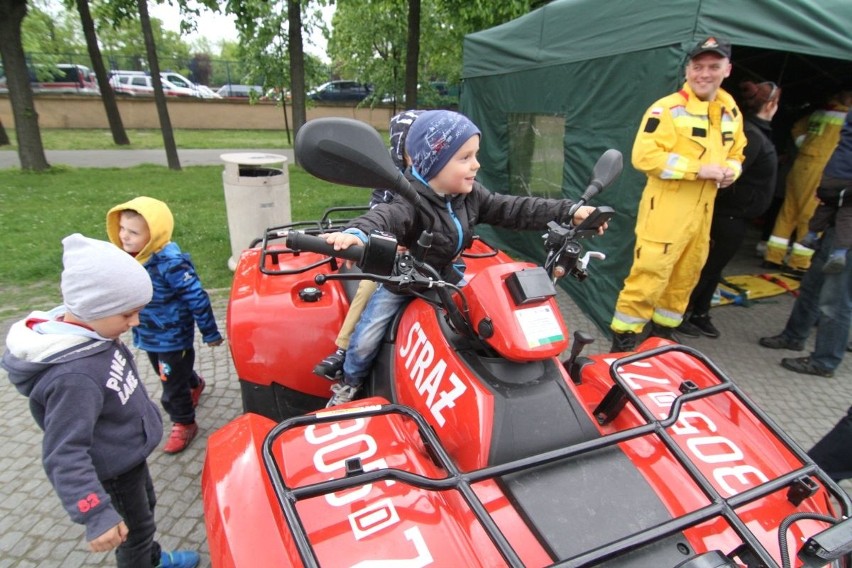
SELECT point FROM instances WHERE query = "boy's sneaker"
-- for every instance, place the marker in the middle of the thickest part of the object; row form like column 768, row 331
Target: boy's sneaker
column 196, row 391
column 179, row 559
column 180, row 437
column 835, row 264
column 331, row 367
column 343, row 393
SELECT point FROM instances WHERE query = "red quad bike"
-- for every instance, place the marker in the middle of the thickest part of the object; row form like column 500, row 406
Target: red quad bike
column 474, row 445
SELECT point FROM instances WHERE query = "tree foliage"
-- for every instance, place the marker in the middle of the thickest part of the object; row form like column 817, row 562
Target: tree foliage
column 51, row 31
column 369, row 39
column 271, row 45
column 124, row 46
column 264, row 32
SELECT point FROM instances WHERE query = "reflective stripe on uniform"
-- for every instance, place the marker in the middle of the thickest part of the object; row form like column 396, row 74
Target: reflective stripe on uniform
column 622, row 322
column 667, row 318
column 677, row 164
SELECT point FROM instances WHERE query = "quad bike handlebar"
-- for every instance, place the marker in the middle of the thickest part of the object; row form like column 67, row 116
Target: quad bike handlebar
column 401, row 270
column 298, row 240
column 350, row 152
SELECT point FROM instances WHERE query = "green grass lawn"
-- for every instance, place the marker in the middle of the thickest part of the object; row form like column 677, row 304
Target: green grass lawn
column 38, row 209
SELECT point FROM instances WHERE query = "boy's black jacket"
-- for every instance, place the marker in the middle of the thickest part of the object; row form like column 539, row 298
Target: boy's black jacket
column 455, row 212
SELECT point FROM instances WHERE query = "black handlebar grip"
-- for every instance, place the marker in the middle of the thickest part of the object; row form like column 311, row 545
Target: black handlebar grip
column 310, row 243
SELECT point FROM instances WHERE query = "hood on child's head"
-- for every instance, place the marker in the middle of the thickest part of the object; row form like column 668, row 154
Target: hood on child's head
column 157, row 215
column 100, row 280
column 435, row 137
column 400, row 124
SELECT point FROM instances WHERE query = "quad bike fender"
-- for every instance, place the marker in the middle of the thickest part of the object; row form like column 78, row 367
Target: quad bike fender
column 728, row 441
column 486, row 410
column 280, row 326
column 244, row 522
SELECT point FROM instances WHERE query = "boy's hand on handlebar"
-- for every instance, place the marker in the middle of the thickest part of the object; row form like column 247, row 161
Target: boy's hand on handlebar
column 584, row 212
column 341, row 241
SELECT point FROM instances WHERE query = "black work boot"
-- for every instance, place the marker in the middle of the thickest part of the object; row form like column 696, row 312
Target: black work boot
column 662, row 332
column 622, row 342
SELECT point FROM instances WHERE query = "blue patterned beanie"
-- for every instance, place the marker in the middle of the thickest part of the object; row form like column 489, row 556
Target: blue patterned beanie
column 435, row 137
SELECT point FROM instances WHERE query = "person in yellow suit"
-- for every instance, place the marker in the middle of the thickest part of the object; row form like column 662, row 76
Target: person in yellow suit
column 689, row 145
column 816, row 136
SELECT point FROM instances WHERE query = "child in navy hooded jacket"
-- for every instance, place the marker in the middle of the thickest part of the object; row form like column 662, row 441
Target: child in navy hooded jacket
column 85, row 393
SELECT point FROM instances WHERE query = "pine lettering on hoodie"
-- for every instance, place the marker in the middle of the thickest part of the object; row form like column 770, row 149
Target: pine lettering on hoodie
column 117, row 381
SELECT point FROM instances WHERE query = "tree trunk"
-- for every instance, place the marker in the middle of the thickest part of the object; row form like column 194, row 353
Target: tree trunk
column 412, row 54
column 119, row 135
column 297, row 64
column 4, row 136
column 30, row 147
column 159, row 96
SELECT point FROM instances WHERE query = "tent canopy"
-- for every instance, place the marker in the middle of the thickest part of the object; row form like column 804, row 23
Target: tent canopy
column 552, row 90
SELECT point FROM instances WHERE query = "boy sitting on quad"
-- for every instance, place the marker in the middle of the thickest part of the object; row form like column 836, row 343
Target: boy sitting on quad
column 331, row 367
column 442, row 146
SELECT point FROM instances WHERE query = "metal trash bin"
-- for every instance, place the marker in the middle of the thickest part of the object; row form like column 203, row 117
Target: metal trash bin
column 256, row 197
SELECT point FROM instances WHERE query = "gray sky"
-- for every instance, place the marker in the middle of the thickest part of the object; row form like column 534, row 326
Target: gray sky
column 217, row 27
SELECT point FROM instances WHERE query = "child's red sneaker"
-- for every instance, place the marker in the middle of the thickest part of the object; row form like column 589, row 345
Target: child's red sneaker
column 181, row 436
column 197, row 390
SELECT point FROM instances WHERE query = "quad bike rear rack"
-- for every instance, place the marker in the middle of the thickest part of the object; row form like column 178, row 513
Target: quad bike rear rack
column 328, row 222
column 799, row 482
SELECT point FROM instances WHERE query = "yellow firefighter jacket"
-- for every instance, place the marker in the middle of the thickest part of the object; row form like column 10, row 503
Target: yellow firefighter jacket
column 679, row 134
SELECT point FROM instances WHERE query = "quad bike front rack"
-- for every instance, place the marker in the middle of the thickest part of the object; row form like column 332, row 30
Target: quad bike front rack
column 799, row 482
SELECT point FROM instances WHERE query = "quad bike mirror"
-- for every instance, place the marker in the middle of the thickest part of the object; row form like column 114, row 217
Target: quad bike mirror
column 608, row 167
column 349, row 152
column 606, row 170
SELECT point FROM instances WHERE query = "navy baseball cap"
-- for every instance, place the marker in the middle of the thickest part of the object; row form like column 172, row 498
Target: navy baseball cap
column 712, row 45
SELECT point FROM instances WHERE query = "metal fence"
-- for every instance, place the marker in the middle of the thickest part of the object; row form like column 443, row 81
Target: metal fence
column 200, row 68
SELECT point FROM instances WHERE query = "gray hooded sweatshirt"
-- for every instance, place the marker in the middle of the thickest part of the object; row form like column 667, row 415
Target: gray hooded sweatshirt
column 86, row 395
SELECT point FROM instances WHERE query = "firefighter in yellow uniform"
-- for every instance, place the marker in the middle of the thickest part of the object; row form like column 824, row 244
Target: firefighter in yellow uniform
column 690, row 144
column 816, row 136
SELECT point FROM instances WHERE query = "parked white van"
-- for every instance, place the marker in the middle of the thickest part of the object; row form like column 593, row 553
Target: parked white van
column 179, row 80
column 137, row 83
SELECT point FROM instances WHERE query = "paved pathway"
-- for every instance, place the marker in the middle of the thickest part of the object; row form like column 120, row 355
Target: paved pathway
column 128, row 158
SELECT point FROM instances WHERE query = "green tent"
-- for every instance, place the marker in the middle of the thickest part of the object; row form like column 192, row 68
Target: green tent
column 555, row 88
